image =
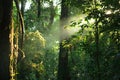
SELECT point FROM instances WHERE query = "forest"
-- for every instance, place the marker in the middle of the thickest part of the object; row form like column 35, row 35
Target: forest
column 59, row 39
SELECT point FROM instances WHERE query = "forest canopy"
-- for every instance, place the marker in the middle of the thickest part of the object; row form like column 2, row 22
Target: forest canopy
column 60, row 40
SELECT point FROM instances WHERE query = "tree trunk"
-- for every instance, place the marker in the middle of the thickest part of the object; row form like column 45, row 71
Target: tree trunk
column 23, row 7
column 63, row 70
column 52, row 14
column 97, row 52
column 39, row 7
column 5, row 34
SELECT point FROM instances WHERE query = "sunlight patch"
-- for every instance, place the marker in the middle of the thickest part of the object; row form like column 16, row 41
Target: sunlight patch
column 108, row 12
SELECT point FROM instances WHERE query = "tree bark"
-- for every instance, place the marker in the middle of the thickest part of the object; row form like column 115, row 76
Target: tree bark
column 63, row 70
column 23, row 7
column 39, row 7
column 5, row 43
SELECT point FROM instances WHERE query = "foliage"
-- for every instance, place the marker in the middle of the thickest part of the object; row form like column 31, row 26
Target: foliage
column 39, row 62
column 41, row 45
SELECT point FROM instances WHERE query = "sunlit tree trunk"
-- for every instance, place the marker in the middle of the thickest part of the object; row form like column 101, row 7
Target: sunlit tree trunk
column 63, row 70
column 6, row 42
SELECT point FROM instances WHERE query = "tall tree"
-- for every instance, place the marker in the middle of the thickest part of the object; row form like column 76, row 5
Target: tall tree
column 63, row 70
column 38, row 7
column 52, row 14
column 23, row 6
column 97, row 52
column 6, row 38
